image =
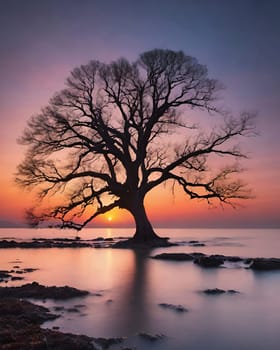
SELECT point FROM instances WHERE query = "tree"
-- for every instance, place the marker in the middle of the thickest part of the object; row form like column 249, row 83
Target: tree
column 108, row 139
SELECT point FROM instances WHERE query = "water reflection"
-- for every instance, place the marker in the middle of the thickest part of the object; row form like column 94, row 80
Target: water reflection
column 132, row 312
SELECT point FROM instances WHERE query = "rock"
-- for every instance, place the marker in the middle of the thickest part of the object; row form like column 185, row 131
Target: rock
column 45, row 243
column 36, row 291
column 17, row 278
column 217, row 291
column 178, row 308
column 214, row 291
column 210, row 261
column 26, row 270
column 134, row 244
column 105, row 343
column 24, row 310
column 72, row 309
column 98, row 239
column 194, row 243
column 265, row 264
column 4, row 274
column 150, row 337
column 20, row 329
column 174, row 256
column 59, row 308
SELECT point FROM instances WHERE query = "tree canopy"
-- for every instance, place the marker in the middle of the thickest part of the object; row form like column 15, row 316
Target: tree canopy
column 119, row 130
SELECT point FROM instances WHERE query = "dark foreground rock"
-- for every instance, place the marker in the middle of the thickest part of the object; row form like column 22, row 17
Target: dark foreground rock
column 20, row 329
column 265, row 264
column 37, row 291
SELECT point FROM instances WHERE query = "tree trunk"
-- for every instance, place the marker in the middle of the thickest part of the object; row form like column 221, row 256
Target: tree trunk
column 144, row 230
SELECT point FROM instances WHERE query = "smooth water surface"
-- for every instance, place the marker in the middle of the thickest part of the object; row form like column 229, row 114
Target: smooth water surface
column 127, row 287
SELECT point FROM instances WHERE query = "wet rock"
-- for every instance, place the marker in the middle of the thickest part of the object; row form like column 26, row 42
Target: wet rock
column 59, row 308
column 36, row 291
column 150, row 337
column 17, row 278
column 177, row 308
column 265, row 264
column 194, row 243
column 4, row 274
column 174, row 256
column 27, row 270
column 134, row 244
column 79, row 306
column 214, row 291
column 25, row 311
column 105, row 343
column 72, row 310
column 98, row 239
column 20, row 329
column 210, row 261
column 45, row 243
column 217, row 291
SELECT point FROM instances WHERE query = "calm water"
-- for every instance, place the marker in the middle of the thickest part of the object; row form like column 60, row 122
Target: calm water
column 132, row 286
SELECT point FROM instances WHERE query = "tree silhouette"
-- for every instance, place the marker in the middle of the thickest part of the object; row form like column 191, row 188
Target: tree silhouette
column 118, row 131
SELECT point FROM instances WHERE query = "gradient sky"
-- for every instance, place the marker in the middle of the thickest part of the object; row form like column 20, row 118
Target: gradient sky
column 239, row 41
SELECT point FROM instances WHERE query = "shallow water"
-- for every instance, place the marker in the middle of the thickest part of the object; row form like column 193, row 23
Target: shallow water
column 132, row 285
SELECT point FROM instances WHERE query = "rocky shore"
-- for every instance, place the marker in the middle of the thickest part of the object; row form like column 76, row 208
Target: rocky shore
column 212, row 261
column 21, row 320
column 99, row 242
column 20, row 323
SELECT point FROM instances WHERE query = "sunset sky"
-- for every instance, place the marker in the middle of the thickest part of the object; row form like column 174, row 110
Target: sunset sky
column 239, row 41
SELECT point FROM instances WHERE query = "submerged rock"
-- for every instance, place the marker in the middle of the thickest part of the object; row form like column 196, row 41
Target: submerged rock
column 105, row 343
column 210, row 261
column 37, row 291
column 151, row 337
column 174, row 256
column 217, row 291
column 177, row 308
column 265, row 264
